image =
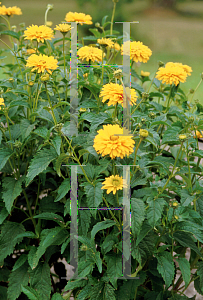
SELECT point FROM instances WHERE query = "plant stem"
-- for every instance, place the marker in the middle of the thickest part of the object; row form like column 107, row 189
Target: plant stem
column 29, row 208
column 112, row 18
column 117, row 223
column 134, row 162
column 53, row 115
column 196, row 89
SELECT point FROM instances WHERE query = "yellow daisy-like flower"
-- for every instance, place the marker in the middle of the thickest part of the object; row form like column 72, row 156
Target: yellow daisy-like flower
column 116, row 46
column 138, row 51
column 173, row 73
column 198, row 134
column 1, row 102
column 63, row 28
column 10, row 11
column 107, row 143
column 78, row 17
column 114, row 93
column 90, row 53
column 113, row 184
column 42, row 63
column 30, row 51
column 39, row 33
column 106, row 42
column 145, row 74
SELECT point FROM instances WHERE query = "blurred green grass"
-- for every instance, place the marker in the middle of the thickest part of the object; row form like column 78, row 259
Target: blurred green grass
column 175, row 36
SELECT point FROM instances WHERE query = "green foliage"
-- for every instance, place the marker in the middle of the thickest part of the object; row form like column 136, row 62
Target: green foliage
column 38, row 147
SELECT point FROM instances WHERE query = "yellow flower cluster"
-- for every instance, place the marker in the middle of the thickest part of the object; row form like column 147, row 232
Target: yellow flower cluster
column 198, row 134
column 39, row 33
column 42, row 63
column 173, row 73
column 107, row 143
column 138, row 51
column 2, row 102
column 78, row 17
column 113, row 184
column 10, row 11
column 90, row 53
column 114, row 93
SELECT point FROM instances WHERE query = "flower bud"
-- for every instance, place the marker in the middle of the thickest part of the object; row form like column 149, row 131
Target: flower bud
column 143, row 133
column 161, row 64
column 50, row 6
column 17, row 144
column 175, row 203
column 152, row 115
column 196, row 101
column 82, row 109
column 182, row 137
column 11, row 79
column 83, row 248
column 143, row 120
column 44, row 77
column 118, row 74
column 30, row 83
column 97, row 24
column 191, row 91
column 145, row 95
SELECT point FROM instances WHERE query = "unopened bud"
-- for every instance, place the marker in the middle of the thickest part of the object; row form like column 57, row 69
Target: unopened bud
column 143, row 120
column 11, row 80
column 30, row 83
column 191, row 91
column 97, row 24
column 143, row 133
column 161, row 64
column 82, row 109
column 44, row 77
column 145, row 95
column 182, row 137
column 50, row 6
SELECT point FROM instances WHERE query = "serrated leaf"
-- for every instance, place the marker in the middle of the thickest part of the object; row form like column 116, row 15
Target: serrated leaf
column 170, row 135
column 101, row 225
column 137, row 214
column 185, row 240
column 26, row 128
column 57, row 296
column 96, row 293
column 64, row 188
column 11, row 190
column 60, row 159
column 155, row 210
column 57, row 144
column 16, row 279
column 5, row 154
column 41, row 131
column 30, row 293
column 114, row 267
column 40, row 280
column 74, row 284
column 85, row 292
column 64, row 245
column 184, row 266
column 108, row 292
column 85, row 268
column 3, row 215
column 7, row 238
column 94, row 194
column 200, row 273
column 145, row 229
column 84, row 219
column 3, row 293
column 20, row 262
column 166, row 267
column 19, row 103
column 53, row 236
column 39, row 163
column 50, row 216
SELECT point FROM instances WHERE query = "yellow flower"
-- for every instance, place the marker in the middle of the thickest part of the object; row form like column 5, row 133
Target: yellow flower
column 42, row 63
column 63, row 28
column 39, row 33
column 1, row 102
column 173, row 73
column 106, row 42
column 116, row 46
column 144, row 133
column 90, row 53
column 145, row 74
column 78, row 17
column 198, row 134
column 175, row 204
column 114, row 93
column 30, row 51
column 113, row 184
column 138, row 51
column 10, row 11
column 182, row 136
column 107, row 143
column 85, row 75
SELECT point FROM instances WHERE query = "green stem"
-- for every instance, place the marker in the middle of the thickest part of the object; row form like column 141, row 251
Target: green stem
column 117, row 223
column 53, row 115
column 29, row 209
column 134, row 162
column 64, row 61
column 112, row 18
column 196, row 89
column 188, row 163
column 102, row 65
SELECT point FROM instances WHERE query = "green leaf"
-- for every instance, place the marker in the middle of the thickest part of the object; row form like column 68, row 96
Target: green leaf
column 146, row 228
column 3, row 293
column 96, row 293
column 94, row 194
column 64, row 188
column 155, row 210
column 137, row 214
column 74, row 284
column 114, row 267
column 21, row 260
column 26, row 128
column 186, row 198
column 39, row 163
column 30, row 293
column 84, row 220
column 7, row 238
column 199, row 205
column 57, row 144
column 186, row 241
column 57, row 296
column 64, row 245
column 166, row 267
column 108, row 243
column 5, row 154
column 85, row 268
column 170, row 135
column 192, row 228
column 40, row 280
column 50, row 216
column 3, row 215
column 16, row 279
column 12, row 188
column 95, row 119
column 184, row 266
column 200, row 273
column 53, row 236
column 11, row 33
column 85, row 292
column 60, row 159
column 41, row 131
column 95, row 32
column 108, row 292
column 19, row 103
column 101, row 225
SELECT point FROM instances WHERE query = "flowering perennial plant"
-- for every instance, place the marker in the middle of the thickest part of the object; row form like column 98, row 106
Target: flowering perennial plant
column 146, row 154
